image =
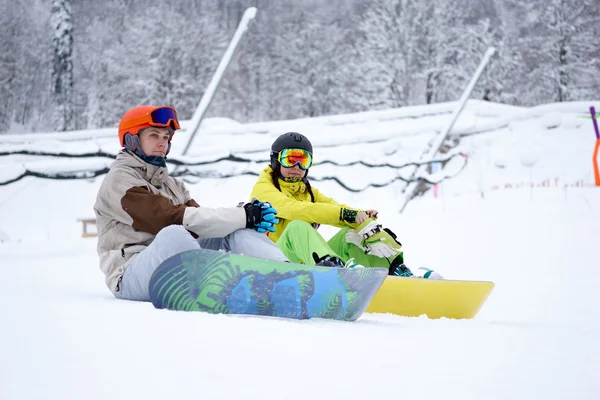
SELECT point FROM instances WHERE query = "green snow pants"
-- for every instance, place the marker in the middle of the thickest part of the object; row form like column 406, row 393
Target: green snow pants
column 299, row 240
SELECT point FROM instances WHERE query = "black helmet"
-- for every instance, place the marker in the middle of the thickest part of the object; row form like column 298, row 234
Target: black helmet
column 290, row 140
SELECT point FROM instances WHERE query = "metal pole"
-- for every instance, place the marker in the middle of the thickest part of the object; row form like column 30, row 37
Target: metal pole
column 411, row 185
column 248, row 16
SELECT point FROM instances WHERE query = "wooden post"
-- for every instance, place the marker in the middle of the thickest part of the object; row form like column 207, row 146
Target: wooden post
column 84, row 225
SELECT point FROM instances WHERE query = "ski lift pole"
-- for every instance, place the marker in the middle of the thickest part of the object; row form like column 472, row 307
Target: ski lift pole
column 412, row 183
column 208, row 95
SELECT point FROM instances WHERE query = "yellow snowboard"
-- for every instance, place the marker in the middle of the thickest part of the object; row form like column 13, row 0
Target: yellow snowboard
column 435, row 298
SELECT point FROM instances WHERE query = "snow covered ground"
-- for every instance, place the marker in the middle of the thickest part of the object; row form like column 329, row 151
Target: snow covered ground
column 63, row 335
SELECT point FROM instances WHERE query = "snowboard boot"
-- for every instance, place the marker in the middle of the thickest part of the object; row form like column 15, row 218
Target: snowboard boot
column 328, row 261
column 399, row 269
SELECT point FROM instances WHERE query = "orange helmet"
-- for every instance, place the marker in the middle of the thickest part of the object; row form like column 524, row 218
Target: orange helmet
column 141, row 117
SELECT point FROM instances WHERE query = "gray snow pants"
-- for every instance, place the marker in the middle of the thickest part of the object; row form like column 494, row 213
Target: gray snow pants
column 175, row 239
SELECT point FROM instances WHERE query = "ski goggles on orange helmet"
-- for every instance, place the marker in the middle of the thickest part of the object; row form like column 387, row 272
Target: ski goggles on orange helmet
column 291, row 157
column 160, row 117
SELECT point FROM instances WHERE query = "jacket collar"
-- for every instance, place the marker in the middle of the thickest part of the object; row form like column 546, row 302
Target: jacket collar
column 154, row 174
column 294, row 188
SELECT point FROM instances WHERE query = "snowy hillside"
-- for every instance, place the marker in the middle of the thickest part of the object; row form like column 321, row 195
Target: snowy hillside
column 520, row 210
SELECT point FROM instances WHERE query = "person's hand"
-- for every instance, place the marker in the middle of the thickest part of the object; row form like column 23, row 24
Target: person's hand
column 355, row 216
column 378, row 241
column 361, row 217
column 260, row 216
column 372, row 213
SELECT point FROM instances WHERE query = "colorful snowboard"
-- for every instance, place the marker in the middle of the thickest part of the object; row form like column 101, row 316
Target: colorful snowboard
column 224, row 283
column 435, row 298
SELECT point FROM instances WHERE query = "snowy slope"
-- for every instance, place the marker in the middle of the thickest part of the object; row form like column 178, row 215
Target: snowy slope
column 65, row 337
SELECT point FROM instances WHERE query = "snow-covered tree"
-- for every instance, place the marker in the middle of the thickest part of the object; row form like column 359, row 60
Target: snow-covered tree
column 307, row 58
column 384, row 52
column 415, row 52
column 62, row 65
column 24, row 78
column 307, row 54
column 8, row 65
column 557, row 41
column 281, row 70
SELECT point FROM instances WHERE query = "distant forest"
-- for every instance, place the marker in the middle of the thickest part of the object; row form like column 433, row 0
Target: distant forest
column 77, row 64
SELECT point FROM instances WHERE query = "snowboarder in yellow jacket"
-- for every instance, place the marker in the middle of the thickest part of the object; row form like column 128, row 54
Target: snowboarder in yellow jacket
column 302, row 208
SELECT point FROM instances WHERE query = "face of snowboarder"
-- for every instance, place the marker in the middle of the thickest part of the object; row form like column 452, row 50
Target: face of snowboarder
column 155, row 141
column 293, row 172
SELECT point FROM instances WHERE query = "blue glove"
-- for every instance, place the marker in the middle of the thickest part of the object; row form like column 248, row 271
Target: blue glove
column 260, row 216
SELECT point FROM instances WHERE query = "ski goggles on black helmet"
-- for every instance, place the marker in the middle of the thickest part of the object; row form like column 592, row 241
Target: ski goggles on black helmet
column 288, row 158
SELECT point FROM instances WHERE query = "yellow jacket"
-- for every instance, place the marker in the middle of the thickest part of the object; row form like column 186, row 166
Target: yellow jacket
column 293, row 202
